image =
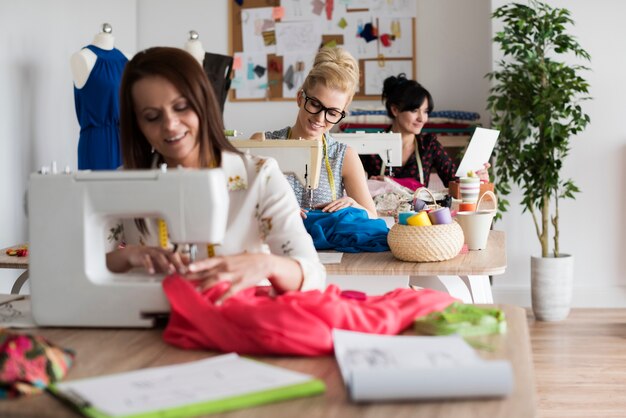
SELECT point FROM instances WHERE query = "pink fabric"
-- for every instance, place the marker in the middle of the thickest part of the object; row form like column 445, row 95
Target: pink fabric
column 408, row 182
column 294, row 323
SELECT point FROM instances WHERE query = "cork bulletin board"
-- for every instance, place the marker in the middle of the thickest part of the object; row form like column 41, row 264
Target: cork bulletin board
column 274, row 42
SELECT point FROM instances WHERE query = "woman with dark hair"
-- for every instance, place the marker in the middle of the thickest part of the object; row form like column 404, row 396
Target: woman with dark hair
column 408, row 104
column 169, row 114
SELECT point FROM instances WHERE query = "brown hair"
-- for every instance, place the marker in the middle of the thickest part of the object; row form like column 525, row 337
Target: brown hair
column 335, row 68
column 182, row 70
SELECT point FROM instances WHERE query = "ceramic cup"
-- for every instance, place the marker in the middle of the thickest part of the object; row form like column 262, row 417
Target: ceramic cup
column 470, row 188
column 476, row 226
column 419, row 219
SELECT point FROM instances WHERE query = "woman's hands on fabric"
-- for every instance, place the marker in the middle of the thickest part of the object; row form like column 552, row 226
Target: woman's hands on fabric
column 483, row 173
column 379, row 178
column 242, row 271
column 341, row 203
column 152, row 259
column 303, row 213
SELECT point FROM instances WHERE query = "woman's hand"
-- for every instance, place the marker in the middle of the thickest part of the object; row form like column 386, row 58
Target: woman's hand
column 341, row 203
column 152, row 259
column 483, row 174
column 245, row 270
column 303, row 213
column 379, row 178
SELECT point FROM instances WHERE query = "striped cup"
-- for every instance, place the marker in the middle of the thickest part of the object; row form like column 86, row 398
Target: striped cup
column 469, row 188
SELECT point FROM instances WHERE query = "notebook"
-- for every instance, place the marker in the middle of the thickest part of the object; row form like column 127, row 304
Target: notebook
column 383, row 368
column 217, row 384
column 478, row 151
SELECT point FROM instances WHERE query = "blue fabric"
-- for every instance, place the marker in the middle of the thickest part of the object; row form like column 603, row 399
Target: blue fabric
column 348, row 230
column 97, row 109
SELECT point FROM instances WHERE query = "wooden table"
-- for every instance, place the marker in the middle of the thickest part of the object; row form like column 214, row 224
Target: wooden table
column 102, row 352
column 13, row 262
column 465, row 274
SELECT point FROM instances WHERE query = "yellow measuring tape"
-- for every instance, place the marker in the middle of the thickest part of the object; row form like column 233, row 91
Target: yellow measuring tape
column 329, row 170
column 164, row 239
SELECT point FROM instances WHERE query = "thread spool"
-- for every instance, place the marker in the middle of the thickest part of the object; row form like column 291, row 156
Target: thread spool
column 440, row 216
column 419, row 219
column 403, row 216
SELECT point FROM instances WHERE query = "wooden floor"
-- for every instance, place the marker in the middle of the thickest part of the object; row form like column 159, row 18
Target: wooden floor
column 580, row 364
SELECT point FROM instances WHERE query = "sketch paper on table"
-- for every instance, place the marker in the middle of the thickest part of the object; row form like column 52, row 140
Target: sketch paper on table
column 15, row 312
column 402, row 30
column 247, row 83
column 255, row 21
column 330, row 258
column 375, row 75
column 293, row 37
column 383, row 367
column 169, row 387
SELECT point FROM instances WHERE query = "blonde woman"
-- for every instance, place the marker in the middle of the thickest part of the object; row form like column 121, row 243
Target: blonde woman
column 322, row 101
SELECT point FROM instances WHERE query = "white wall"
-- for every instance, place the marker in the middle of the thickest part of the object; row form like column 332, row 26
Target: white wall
column 593, row 226
column 38, row 122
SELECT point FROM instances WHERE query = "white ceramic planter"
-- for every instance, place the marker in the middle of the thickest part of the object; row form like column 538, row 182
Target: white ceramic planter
column 551, row 286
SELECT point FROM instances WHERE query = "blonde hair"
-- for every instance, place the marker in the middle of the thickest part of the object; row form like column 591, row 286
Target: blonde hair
column 336, row 69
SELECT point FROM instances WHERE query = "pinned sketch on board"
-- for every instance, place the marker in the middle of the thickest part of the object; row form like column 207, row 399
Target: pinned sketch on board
column 395, row 37
column 395, row 8
column 258, row 27
column 295, row 68
column 377, row 71
column 297, row 36
column 293, row 31
column 250, row 76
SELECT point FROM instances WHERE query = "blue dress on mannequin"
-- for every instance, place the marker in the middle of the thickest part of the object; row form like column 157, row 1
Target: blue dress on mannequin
column 97, row 109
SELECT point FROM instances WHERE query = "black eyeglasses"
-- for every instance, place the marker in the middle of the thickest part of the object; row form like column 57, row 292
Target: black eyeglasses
column 314, row 106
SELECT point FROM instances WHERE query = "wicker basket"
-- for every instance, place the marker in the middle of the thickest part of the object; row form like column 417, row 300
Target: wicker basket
column 425, row 243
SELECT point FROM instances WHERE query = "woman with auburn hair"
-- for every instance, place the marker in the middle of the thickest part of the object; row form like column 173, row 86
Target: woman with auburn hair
column 169, row 114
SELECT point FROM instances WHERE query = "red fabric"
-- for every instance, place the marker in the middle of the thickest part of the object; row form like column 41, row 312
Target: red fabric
column 408, row 182
column 294, row 323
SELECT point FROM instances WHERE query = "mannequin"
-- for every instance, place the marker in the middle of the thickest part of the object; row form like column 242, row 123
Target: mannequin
column 97, row 70
column 194, row 47
column 217, row 67
column 83, row 61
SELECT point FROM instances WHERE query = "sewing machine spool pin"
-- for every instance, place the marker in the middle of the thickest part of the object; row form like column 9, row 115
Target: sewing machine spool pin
column 389, row 162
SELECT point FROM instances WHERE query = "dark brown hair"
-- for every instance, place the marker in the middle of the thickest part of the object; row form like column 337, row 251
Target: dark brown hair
column 182, row 70
column 405, row 94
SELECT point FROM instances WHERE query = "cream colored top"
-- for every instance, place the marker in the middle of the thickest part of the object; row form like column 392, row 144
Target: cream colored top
column 264, row 217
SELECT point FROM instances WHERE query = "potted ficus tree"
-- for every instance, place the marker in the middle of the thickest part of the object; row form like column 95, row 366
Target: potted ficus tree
column 535, row 102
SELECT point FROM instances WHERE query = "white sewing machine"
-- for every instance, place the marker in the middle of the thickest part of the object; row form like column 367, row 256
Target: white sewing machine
column 299, row 157
column 387, row 145
column 70, row 283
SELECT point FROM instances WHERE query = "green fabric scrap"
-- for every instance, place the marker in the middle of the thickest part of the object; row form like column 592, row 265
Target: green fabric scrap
column 465, row 320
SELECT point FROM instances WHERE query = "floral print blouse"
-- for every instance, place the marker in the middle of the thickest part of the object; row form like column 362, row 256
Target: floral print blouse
column 264, row 216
